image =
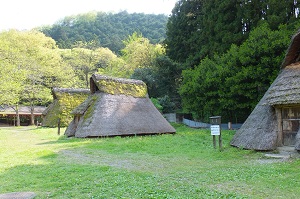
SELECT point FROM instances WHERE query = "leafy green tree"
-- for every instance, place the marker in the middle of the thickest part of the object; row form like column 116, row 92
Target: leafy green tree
column 231, row 84
column 163, row 80
column 253, row 69
column 199, row 90
column 83, row 61
column 37, row 67
column 138, row 52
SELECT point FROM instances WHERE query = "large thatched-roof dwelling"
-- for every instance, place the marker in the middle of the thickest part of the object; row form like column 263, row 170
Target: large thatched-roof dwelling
column 64, row 101
column 117, row 106
column 275, row 120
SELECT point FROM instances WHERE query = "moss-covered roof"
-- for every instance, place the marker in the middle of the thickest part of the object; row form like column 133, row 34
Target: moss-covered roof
column 117, row 86
column 64, row 101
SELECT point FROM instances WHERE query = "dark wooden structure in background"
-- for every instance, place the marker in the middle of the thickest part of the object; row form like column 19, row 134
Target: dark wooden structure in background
column 8, row 115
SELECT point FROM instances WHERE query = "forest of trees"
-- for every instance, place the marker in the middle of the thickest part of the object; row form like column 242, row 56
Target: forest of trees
column 107, row 30
column 228, row 52
column 207, row 58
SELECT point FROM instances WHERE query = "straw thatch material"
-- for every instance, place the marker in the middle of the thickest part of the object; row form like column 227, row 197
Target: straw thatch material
column 287, row 87
column 259, row 132
column 64, row 101
column 292, row 55
column 121, row 109
column 117, row 86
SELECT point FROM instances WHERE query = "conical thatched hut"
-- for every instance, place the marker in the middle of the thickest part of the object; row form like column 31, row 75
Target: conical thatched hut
column 64, row 101
column 275, row 120
column 117, row 106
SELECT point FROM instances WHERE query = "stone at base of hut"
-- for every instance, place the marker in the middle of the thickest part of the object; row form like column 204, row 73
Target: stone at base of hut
column 18, row 195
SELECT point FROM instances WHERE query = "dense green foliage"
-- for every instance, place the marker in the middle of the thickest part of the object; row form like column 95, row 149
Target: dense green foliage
column 231, row 84
column 184, row 165
column 107, row 29
column 229, row 52
column 199, row 28
column 30, row 66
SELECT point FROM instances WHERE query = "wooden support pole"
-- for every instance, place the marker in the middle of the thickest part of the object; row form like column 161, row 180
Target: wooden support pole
column 214, row 141
column 58, row 126
column 220, row 141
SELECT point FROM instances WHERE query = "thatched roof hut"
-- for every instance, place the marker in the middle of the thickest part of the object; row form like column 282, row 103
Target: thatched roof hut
column 116, row 107
column 64, row 101
column 275, row 120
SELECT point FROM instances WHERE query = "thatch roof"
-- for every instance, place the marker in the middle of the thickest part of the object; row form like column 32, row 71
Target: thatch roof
column 64, row 101
column 121, row 112
column 286, row 90
column 116, row 86
column 259, row 131
column 58, row 92
column 293, row 52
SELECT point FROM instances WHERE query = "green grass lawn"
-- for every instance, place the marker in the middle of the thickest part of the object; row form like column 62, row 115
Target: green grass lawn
column 184, row 165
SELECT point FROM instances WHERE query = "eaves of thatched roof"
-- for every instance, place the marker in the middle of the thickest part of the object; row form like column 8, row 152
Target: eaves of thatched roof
column 118, row 86
column 56, row 92
column 286, row 89
column 293, row 52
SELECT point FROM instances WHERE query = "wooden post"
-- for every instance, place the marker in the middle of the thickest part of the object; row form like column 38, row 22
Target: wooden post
column 215, row 129
column 214, row 141
column 279, row 126
column 220, row 140
column 58, row 126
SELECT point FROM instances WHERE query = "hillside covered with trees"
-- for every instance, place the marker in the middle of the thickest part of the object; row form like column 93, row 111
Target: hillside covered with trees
column 107, row 30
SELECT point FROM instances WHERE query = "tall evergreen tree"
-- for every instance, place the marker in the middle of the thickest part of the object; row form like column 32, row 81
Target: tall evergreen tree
column 200, row 28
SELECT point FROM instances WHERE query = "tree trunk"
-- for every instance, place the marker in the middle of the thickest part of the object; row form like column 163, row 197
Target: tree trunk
column 17, row 115
column 31, row 115
column 87, row 80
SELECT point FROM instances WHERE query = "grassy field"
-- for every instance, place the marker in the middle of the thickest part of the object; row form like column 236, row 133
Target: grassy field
column 184, row 165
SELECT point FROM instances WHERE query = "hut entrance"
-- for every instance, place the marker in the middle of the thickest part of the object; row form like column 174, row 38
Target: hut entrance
column 290, row 125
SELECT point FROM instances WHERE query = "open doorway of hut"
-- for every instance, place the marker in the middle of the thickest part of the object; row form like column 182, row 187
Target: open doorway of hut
column 290, row 125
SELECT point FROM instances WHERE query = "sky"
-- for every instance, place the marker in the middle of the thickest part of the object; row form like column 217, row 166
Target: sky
column 27, row 14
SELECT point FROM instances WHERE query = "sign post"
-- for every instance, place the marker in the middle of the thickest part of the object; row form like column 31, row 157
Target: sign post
column 215, row 129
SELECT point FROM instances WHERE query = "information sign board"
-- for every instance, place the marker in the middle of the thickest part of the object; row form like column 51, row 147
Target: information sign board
column 215, row 129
